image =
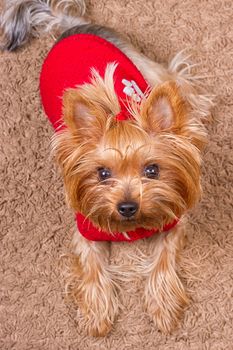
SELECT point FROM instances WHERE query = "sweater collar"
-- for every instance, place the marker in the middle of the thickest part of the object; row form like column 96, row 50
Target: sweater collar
column 89, row 231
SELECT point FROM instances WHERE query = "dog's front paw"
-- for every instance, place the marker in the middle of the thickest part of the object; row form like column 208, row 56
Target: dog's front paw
column 165, row 301
column 95, row 294
column 98, row 302
column 98, row 328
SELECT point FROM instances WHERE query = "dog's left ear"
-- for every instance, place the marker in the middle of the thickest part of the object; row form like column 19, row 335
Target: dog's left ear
column 164, row 109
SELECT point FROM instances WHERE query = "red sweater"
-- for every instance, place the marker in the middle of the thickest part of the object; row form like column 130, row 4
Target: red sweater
column 68, row 65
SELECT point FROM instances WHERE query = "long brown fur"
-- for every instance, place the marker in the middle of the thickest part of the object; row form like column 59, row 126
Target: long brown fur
column 165, row 129
column 162, row 130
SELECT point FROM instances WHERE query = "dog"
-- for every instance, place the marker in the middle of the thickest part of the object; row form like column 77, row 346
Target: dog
column 129, row 136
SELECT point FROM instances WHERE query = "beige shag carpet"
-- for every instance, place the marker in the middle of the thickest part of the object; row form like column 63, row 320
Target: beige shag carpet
column 36, row 225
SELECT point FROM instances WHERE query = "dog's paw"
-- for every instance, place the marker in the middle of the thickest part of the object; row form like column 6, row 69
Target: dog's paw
column 96, row 296
column 99, row 305
column 166, row 319
column 166, row 306
column 98, row 328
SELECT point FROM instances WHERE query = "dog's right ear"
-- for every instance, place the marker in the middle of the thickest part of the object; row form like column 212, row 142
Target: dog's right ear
column 83, row 117
column 76, row 111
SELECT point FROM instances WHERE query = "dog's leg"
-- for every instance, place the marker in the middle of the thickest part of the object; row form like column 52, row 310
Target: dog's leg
column 91, row 284
column 165, row 296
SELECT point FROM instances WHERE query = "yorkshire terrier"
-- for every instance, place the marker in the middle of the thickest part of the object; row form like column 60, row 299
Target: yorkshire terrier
column 129, row 134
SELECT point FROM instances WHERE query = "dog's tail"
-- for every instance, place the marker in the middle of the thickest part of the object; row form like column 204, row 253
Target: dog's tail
column 22, row 19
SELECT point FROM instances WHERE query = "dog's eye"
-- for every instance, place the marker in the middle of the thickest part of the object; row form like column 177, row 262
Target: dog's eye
column 104, row 173
column 151, row 171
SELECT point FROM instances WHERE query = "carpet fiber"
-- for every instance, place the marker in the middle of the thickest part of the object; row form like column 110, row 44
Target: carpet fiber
column 36, row 225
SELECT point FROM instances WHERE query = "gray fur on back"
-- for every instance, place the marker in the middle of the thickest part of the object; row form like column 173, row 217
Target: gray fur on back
column 106, row 33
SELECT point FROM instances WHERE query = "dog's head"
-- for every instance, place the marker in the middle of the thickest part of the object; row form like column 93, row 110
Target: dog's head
column 141, row 172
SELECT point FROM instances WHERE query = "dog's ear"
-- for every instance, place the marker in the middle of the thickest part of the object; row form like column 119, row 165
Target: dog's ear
column 164, row 109
column 82, row 116
column 76, row 111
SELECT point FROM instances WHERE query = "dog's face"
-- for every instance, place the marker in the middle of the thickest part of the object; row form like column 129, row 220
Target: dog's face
column 142, row 172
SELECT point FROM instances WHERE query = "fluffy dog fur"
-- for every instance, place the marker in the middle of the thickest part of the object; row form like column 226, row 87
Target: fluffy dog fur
column 166, row 129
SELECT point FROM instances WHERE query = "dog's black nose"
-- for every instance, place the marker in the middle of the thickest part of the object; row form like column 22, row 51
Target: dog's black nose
column 127, row 209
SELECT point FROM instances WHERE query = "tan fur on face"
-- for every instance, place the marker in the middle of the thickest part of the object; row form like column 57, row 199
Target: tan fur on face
column 161, row 132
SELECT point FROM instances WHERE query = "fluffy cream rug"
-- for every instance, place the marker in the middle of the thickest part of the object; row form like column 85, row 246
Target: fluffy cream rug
column 36, row 226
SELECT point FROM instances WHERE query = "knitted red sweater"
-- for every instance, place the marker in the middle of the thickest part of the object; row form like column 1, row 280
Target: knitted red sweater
column 68, row 65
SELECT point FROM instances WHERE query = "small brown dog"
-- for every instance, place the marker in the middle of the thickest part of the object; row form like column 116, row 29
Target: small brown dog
column 129, row 146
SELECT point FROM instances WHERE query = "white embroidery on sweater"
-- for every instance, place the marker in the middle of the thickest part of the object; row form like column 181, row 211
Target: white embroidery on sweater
column 132, row 90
